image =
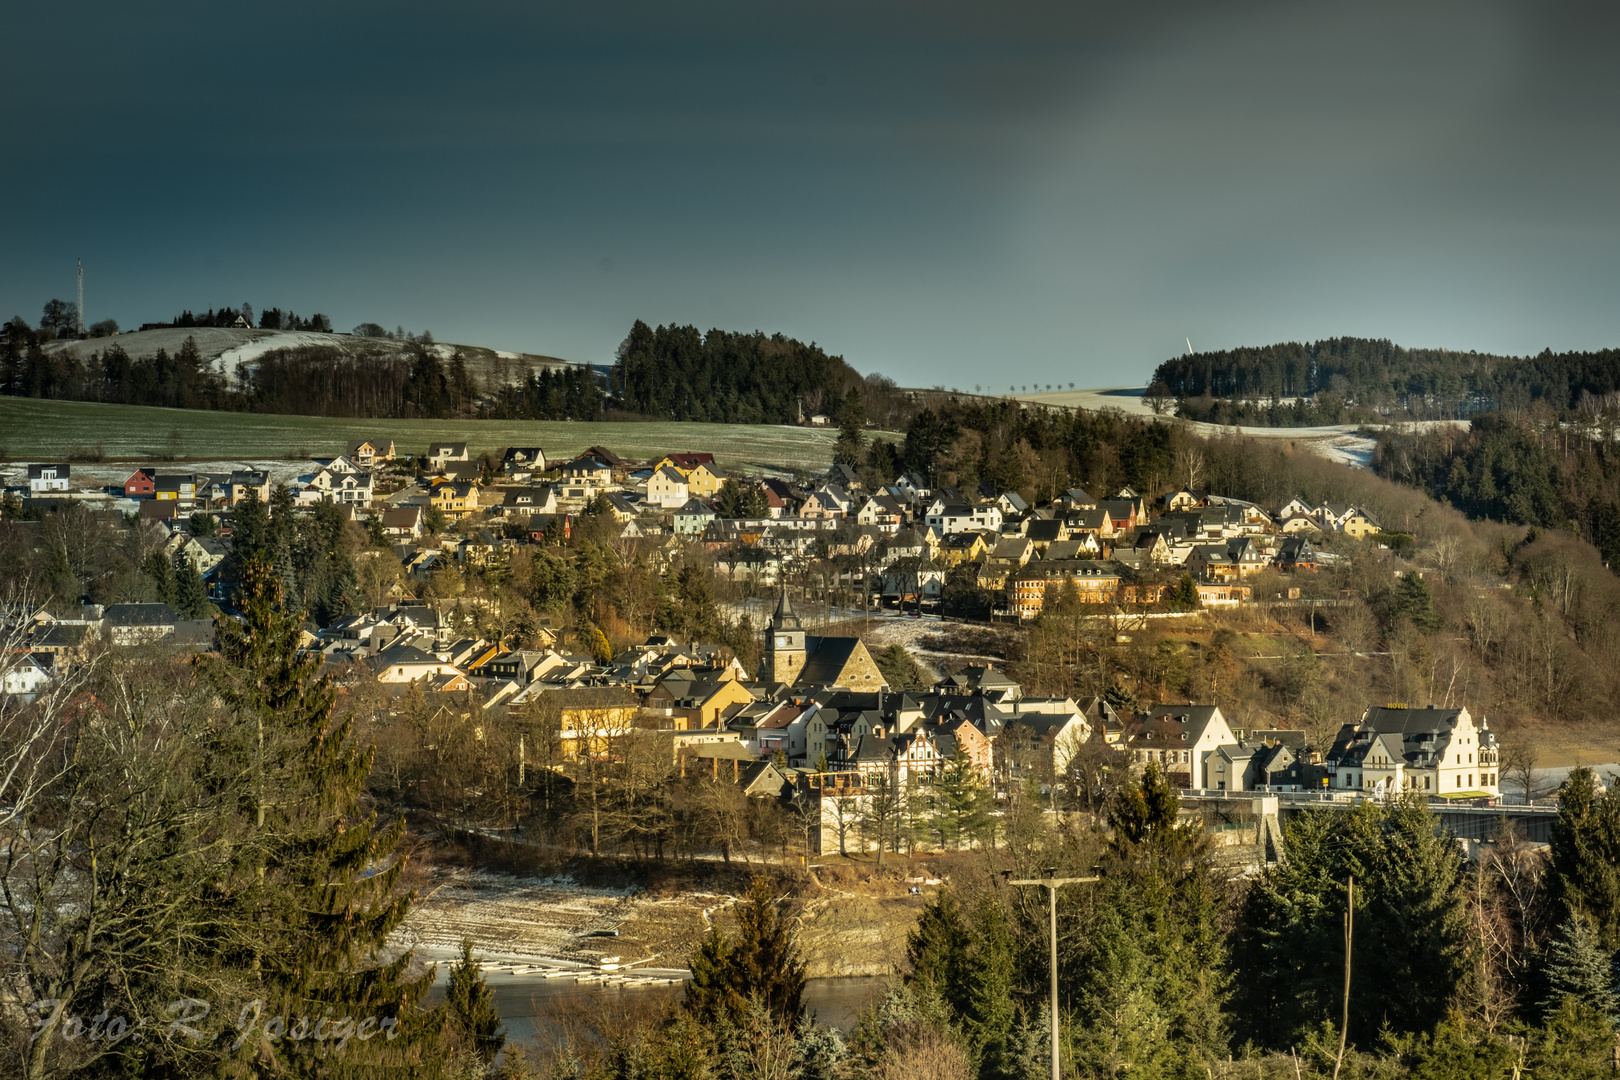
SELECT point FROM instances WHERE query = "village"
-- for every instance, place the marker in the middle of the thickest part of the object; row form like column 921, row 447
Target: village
column 816, row 725
column 906, row 538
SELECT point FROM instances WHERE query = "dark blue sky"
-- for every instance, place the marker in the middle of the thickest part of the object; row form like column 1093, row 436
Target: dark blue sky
column 947, row 193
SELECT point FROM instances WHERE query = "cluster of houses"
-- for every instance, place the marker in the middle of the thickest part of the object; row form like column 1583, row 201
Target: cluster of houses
column 907, row 537
column 897, row 543
column 1392, row 749
column 817, row 718
column 36, row 646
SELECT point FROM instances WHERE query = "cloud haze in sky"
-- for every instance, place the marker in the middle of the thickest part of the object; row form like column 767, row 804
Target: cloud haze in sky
column 954, row 194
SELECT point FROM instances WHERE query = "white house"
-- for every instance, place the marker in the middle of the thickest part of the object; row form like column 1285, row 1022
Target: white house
column 23, row 679
column 1182, row 738
column 1394, row 748
column 667, row 489
column 440, row 453
column 959, row 518
column 403, row 663
column 44, row 479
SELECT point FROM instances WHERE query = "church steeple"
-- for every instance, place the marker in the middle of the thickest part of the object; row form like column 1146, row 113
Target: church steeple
column 784, row 644
column 785, row 617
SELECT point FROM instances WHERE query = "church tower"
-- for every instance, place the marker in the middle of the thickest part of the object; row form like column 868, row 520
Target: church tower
column 784, row 644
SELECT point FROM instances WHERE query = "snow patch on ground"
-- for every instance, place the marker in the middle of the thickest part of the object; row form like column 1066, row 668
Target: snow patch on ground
column 1353, row 450
column 249, row 351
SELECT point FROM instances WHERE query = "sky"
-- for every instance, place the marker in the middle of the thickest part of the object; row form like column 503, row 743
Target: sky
column 956, row 194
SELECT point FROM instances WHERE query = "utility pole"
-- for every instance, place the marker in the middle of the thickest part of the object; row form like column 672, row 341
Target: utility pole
column 1349, row 926
column 1051, row 884
column 81, row 296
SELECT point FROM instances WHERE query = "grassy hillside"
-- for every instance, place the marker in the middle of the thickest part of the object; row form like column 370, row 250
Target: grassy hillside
column 34, row 429
column 224, row 348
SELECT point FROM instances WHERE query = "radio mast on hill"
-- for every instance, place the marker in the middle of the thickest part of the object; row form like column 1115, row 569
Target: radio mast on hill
column 81, row 296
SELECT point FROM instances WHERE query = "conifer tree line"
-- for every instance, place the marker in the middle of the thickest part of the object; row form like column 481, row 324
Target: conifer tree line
column 1174, row 965
column 1345, row 380
column 680, row 373
column 1527, row 468
column 194, row 884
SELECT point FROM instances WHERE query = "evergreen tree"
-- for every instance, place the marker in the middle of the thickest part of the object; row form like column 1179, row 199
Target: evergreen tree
column 318, row 890
column 818, row 1051
column 190, row 594
column 1287, row 948
column 1183, row 596
column 899, row 670
column 159, row 569
column 1149, row 990
column 1577, row 1043
column 1578, row 966
column 850, row 449
column 967, row 961
column 728, row 501
column 761, row 963
column 1413, row 600
column 472, row 1005
column 1585, row 877
column 962, row 801
column 754, row 506
column 1144, row 810
column 250, row 530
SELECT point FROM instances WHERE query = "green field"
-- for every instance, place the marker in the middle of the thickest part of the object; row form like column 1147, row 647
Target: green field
column 34, row 430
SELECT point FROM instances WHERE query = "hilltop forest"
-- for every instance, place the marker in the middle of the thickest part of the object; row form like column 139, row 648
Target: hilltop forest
column 417, row 381
column 1348, row 380
column 1527, row 467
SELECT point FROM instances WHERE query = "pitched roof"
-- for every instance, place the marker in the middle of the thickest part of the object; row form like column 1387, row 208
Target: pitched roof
column 140, row 615
column 1042, row 531
column 825, row 658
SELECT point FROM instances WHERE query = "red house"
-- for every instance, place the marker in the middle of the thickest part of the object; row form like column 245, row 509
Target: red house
column 141, row 485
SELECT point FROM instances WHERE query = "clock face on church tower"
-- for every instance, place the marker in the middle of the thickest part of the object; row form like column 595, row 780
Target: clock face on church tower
column 781, row 643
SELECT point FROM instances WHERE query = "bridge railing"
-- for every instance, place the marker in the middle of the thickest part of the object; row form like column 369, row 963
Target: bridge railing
column 1352, row 796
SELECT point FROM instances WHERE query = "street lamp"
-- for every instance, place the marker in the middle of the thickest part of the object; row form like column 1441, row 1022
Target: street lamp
column 1051, row 882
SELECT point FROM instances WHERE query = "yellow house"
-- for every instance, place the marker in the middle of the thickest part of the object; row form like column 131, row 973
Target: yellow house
column 958, row 548
column 702, row 482
column 1359, row 525
column 455, row 498
column 697, row 470
column 727, row 692
column 702, row 701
